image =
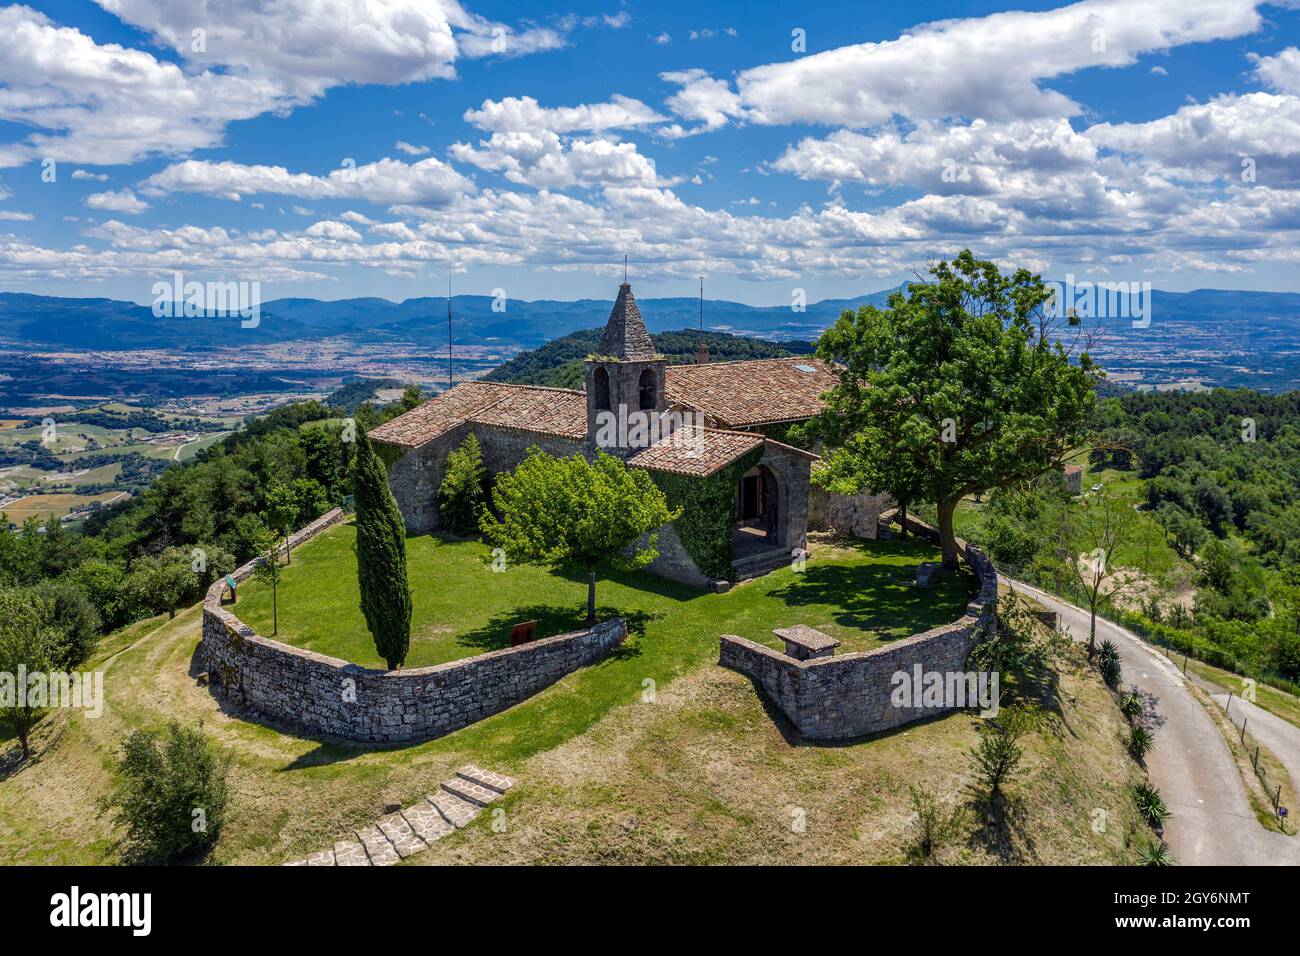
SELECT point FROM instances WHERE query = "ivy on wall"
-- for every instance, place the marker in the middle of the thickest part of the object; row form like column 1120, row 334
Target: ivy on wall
column 390, row 455
column 708, row 512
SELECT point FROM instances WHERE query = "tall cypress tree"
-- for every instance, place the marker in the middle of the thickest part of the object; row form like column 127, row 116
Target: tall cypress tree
column 381, row 556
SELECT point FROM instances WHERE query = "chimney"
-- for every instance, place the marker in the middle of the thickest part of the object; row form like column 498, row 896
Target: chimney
column 702, row 356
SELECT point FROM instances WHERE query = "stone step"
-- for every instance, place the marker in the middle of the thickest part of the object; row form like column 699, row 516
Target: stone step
column 486, row 778
column 401, row 835
column 350, row 853
column 323, row 858
column 380, row 851
column 469, row 791
column 759, row 564
column 427, row 823
column 454, row 810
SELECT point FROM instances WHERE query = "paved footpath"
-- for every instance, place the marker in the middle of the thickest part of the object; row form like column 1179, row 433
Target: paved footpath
column 406, row 832
column 1211, row 822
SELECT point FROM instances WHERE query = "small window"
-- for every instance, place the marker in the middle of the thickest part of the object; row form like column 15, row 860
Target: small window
column 649, row 389
column 805, row 368
column 601, row 396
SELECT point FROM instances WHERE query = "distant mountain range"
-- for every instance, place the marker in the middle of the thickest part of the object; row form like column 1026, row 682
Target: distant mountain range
column 1211, row 336
column 49, row 321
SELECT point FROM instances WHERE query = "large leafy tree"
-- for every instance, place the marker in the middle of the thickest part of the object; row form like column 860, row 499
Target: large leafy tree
column 381, row 556
column 961, row 385
column 27, row 641
column 589, row 513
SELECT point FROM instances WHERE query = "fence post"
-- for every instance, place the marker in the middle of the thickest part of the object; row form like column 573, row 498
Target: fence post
column 1184, row 665
column 1244, row 722
column 1228, row 705
column 1255, row 761
column 1277, row 800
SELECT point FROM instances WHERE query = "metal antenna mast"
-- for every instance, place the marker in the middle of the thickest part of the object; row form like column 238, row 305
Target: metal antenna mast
column 701, row 303
column 451, row 375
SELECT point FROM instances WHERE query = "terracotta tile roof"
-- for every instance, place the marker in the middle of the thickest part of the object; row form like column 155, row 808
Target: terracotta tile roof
column 1074, row 469
column 547, row 411
column 625, row 334
column 696, row 451
column 754, row 392
column 533, row 408
column 438, row 415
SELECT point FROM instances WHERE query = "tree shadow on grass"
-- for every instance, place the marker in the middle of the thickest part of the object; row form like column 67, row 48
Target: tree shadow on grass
column 553, row 620
column 872, row 597
column 1002, row 828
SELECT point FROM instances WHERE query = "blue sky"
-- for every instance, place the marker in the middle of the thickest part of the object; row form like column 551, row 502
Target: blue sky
column 334, row 148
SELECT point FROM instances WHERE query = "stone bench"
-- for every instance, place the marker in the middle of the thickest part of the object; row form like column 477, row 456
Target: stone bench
column 804, row 643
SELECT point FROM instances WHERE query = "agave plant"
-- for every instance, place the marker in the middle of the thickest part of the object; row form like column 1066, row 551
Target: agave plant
column 1131, row 705
column 1139, row 742
column 1108, row 663
column 1150, row 804
column 1154, row 853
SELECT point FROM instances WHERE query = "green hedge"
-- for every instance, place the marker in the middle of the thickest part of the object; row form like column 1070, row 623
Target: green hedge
column 708, row 512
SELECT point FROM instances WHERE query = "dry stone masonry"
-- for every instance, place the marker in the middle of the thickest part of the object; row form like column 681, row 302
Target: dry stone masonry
column 830, row 697
column 326, row 696
column 406, row 832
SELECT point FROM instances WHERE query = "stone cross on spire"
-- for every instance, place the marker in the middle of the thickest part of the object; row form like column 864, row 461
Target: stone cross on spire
column 625, row 335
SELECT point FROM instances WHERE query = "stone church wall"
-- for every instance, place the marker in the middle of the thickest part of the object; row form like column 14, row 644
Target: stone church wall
column 855, row 516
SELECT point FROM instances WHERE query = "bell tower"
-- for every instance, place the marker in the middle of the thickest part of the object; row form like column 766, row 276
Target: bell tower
column 625, row 376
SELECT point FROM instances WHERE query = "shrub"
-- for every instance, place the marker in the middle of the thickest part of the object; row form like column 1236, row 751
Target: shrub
column 1131, row 705
column 462, row 496
column 171, row 799
column 1150, row 804
column 1154, row 853
column 997, row 755
column 1139, row 742
column 934, row 825
column 1108, row 663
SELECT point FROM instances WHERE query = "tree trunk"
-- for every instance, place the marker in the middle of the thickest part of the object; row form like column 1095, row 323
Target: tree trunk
column 25, row 742
column 902, row 519
column 288, row 555
column 275, row 611
column 591, row 595
column 1092, row 630
column 947, row 539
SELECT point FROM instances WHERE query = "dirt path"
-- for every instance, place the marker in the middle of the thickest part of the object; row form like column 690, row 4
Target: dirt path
column 1212, row 822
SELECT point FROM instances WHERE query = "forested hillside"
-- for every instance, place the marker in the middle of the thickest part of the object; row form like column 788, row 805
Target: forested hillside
column 1215, row 479
column 559, row 363
column 196, row 522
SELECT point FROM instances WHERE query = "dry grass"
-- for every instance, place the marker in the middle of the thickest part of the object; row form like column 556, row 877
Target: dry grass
column 705, row 774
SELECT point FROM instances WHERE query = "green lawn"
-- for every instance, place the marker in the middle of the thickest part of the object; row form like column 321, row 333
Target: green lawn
column 860, row 593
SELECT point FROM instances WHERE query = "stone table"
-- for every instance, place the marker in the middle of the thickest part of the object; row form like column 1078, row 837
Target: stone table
column 804, row 643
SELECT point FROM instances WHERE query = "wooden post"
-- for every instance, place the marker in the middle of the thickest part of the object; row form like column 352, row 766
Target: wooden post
column 1244, row 722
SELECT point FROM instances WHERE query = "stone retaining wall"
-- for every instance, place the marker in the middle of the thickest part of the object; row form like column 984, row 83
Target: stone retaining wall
column 850, row 695
column 325, row 696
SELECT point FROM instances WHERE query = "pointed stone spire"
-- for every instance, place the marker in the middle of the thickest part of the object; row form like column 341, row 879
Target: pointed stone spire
column 625, row 335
